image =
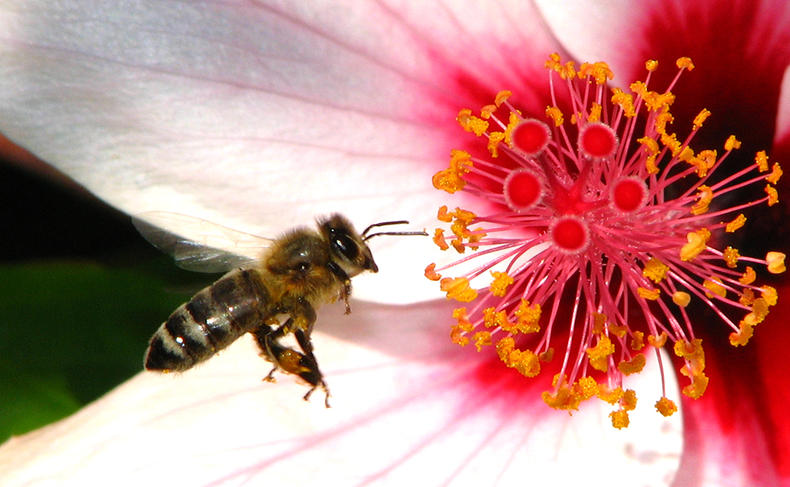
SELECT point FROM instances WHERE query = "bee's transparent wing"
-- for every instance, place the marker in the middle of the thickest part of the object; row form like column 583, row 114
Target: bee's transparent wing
column 197, row 244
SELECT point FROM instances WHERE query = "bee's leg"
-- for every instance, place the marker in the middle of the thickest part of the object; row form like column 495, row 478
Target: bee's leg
column 341, row 274
column 303, row 339
column 265, row 336
column 288, row 360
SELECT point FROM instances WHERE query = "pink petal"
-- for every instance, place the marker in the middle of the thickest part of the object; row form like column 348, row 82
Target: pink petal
column 425, row 414
column 783, row 112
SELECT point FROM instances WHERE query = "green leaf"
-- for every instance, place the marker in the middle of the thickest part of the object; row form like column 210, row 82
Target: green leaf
column 69, row 332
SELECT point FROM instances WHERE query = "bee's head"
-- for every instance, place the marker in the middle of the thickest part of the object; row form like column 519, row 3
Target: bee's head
column 348, row 247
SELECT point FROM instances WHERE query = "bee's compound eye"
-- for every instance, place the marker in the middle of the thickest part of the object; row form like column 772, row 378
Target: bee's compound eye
column 345, row 245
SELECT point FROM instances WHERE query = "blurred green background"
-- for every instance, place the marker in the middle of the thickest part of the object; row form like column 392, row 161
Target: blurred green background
column 80, row 295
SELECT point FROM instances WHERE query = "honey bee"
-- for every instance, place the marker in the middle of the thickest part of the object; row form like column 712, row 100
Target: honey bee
column 272, row 289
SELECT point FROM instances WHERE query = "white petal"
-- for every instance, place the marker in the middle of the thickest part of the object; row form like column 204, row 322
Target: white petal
column 261, row 115
column 406, row 410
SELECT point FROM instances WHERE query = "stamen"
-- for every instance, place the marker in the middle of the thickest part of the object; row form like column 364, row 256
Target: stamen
column 623, row 226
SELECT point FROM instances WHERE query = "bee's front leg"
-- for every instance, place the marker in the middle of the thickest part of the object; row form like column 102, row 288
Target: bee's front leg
column 345, row 293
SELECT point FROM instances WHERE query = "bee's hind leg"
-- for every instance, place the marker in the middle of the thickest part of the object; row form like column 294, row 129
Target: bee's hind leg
column 316, row 377
column 288, row 360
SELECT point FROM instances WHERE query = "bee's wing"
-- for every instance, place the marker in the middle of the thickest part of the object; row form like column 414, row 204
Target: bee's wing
column 197, row 244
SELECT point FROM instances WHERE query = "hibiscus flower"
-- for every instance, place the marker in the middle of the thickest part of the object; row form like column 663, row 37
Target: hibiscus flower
column 257, row 115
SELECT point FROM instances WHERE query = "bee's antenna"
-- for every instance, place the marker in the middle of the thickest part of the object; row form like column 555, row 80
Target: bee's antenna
column 365, row 235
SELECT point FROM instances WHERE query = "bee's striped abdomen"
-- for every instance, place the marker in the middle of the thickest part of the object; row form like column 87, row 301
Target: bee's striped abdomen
column 215, row 317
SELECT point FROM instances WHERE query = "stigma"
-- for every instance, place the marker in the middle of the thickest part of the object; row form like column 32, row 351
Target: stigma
column 603, row 210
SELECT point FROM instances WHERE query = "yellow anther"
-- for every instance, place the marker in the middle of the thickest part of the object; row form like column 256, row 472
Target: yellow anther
column 770, row 295
column 681, row 298
column 697, row 242
column 761, row 159
column 439, row 239
column 595, row 112
column 743, row 335
column 599, row 354
column 776, row 262
column 776, row 173
column 687, row 155
column 671, row 142
column 625, row 101
column 546, row 356
column 458, row 245
column 500, row 283
column 599, row 323
column 700, row 118
column 662, row 120
column 563, row 399
column 524, row 361
column 553, row 62
column 657, row 341
column 457, row 336
column 527, row 317
column 732, row 143
column 689, row 349
column 658, row 101
column 649, row 294
column 430, row 273
column 586, row 387
column 555, row 114
column 703, row 161
column 666, row 406
column 501, row 97
column 568, row 70
column 651, row 65
column 609, row 395
column 736, row 223
column 599, row 71
column 638, row 341
column 458, row 289
column 649, row 144
column 704, row 197
column 451, row 179
column 494, row 138
column 747, row 297
column 482, row 339
column 695, row 390
column 748, row 276
column 714, row 288
column 471, row 123
column 489, row 317
column 773, row 196
column 618, row 331
column 632, row 366
column 443, row 215
column 487, row 111
column 638, row 88
column 684, row 63
column 731, row 256
column 463, row 320
column 650, row 164
column 628, row 401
